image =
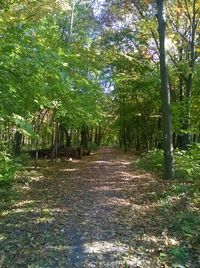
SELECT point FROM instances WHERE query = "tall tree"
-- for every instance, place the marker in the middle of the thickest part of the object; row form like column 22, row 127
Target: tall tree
column 183, row 24
column 165, row 94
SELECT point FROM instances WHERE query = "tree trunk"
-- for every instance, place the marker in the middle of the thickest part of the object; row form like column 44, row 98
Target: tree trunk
column 68, row 138
column 61, row 136
column 84, row 138
column 96, row 136
column 165, row 96
column 124, row 125
column 71, row 22
column 17, row 143
column 56, row 141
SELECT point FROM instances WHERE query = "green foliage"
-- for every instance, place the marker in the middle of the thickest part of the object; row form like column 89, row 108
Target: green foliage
column 151, row 161
column 178, row 255
column 41, row 73
column 188, row 165
column 187, row 162
column 189, row 223
column 8, row 167
column 181, row 219
column 92, row 146
column 163, row 257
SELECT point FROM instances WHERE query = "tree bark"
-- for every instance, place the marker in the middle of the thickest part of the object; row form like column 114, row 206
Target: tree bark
column 165, row 95
column 68, row 138
column 124, row 125
column 17, row 143
column 189, row 80
column 84, row 138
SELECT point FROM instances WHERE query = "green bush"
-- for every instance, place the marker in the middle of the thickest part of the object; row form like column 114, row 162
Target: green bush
column 151, row 161
column 8, row 167
column 92, row 146
column 178, row 255
column 187, row 162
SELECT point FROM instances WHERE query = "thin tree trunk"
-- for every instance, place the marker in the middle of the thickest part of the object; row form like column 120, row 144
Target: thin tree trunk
column 68, row 138
column 71, row 23
column 84, row 138
column 36, row 154
column 124, row 126
column 189, row 80
column 17, row 143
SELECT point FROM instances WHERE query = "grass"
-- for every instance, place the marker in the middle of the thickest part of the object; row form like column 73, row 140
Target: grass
column 179, row 204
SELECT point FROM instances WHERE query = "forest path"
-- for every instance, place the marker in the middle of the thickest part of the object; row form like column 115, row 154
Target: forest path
column 88, row 213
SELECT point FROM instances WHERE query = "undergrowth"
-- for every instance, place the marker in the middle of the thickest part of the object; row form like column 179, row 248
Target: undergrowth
column 187, row 162
column 179, row 203
column 181, row 217
column 9, row 166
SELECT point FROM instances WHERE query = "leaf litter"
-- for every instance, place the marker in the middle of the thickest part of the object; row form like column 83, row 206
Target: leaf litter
column 97, row 212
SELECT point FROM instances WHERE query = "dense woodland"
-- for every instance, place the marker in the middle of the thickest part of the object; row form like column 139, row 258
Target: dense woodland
column 76, row 75
column 79, row 74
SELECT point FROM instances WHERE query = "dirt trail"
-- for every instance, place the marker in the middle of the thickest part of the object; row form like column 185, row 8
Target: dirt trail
column 79, row 214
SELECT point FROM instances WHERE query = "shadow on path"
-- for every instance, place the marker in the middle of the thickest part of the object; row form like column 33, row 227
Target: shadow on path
column 80, row 214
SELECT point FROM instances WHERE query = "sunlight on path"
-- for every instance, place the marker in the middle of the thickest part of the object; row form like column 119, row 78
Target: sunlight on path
column 78, row 214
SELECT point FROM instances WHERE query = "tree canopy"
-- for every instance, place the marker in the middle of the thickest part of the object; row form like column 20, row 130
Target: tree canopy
column 86, row 66
column 117, row 78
